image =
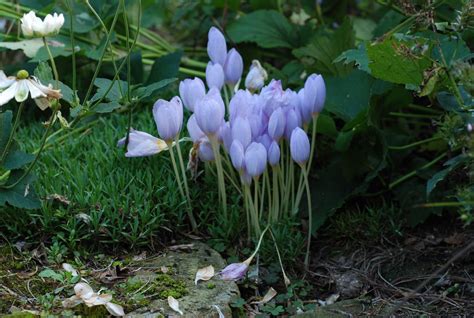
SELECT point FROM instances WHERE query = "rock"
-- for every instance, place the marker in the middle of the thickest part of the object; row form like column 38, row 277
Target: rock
column 348, row 284
column 341, row 309
column 200, row 299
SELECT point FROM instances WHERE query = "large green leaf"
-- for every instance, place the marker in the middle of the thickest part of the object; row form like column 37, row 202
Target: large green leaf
column 115, row 94
column 358, row 56
column 319, row 55
column 45, row 74
column 394, row 61
column 450, row 165
column 5, row 129
column 266, row 28
column 23, row 195
column 165, row 67
column 150, row 90
column 17, row 159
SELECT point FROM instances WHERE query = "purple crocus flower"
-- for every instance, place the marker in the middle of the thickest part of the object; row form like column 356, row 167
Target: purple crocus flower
column 255, row 159
column 273, row 154
column 273, row 96
column 240, row 104
column 237, row 155
column 245, row 178
column 315, row 93
column 233, row 67
column 234, row 271
column 142, row 144
column 191, row 91
column 193, row 129
column 305, row 109
column 216, row 46
column 168, row 117
column 214, row 75
column 276, row 124
column 293, row 120
column 209, row 114
column 225, row 135
column 299, row 146
column 265, row 140
column 205, row 150
column 242, row 131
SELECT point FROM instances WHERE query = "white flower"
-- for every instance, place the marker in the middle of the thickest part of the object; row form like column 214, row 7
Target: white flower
column 20, row 86
column 256, row 77
column 32, row 26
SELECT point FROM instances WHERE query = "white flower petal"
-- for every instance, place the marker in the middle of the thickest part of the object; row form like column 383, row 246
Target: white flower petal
column 22, row 90
column 115, row 310
column 5, row 81
column 34, row 90
column 205, row 273
column 8, row 94
column 174, row 304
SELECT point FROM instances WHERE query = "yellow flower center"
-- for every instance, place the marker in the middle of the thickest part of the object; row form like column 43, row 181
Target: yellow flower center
column 22, row 74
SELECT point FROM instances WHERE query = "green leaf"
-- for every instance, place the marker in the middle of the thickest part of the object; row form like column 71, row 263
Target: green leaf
column 17, row 159
column 49, row 273
column 45, row 74
column 152, row 89
column 165, row 67
column 450, row 165
column 319, row 55
column 388, row 22
column 326, row 126
column 23, row 195
column 57, row 49
column 393, row 61
column 82, row 21
column 358, row 56
column 5, row 129
column 364, row 28
column 119, row 87
column 266, row 28
column 30, row 46
column 106, row 107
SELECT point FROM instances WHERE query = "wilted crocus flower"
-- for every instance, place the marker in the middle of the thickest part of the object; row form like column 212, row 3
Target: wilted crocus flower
column 237, row 155
column 273, row 154
column 216, row 46
column 299, row 146
column 141, row 144
column 255, row 159
column 214, row 75
column 242, row 131
column 314, row 93
column 191, row 91
column 276, row 124
column 273, row 96
column 31, row 25
column 168, row 118
column 256, row 77
column 23, row 84
column 234, row 271
column 209, row 113
column 233, row 67
column 205, row 150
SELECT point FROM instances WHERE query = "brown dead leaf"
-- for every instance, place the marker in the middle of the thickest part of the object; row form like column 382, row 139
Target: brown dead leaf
column 58, row 198
column 268, row 296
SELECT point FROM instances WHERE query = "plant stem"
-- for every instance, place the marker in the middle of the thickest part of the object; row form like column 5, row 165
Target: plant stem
column 71, row 35
column 175, row 169
column 249, row 260
column 220, row 173
column 285, row 278
column 12, row 133
column 53, row 64
column 420, row 142
column 310, row 217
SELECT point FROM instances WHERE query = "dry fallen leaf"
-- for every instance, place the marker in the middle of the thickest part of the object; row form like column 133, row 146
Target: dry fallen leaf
column 205, row 273
column 69, row 268
column 174, row 304
column 268, row 296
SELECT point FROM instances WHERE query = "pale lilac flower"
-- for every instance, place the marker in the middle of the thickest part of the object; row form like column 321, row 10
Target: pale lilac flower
column 314, row 93
column 305, row 109
column 32, row 26
column 168, row 117
column 241, row 104
column 233, row 67
column 299, row 146
column 191, row 91
column 255, row 159
column 242, row 131
column 293, row 120
column 209, row 114
column 273, row 154
column 234, row 271
column 193, row 129
column 273, row 97
column 256, row 77
column 216, row 46
column 469, row 127
column 265, row 140
column 214, row 75
column 205, row 150
column 225, row 135
column 276, row 124
column 22, row 85
column 142, row 144
column 237, row 155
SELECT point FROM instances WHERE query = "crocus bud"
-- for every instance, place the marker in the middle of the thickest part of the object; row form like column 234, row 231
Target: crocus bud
column 216, row 46
column 209, row 114
column 241, row 131
column 314, row 93
column 240, row 105
column 233, row 67
column 256, row 77
column 265, row 140
column 141, row 144
column 214, row 75
column 168, row 117
column 193, row 129
column 237, row 155
column 234, row 271
column 304, row 108
column 299, row 146
column 255, row 159
column 205, row 150
column 225, row 136
column 293, row 120
column 273, row 154
column 276, row 124
column 191, row 91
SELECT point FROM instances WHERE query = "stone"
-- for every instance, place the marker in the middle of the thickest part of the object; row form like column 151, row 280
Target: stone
column 201, row 298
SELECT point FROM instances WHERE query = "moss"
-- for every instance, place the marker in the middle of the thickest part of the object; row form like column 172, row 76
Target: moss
column 163, row 285
column 211, row 286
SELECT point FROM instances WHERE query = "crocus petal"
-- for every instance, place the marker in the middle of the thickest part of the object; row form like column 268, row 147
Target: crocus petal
column 242, row 131
column 216, row 46
column 299, row 146
column 255, row 159
column 141, row 144
column 205, row 151
column 214, row 75
column 233, row 67
column 191, row 91
column 237, row 154
column 273, row 154
column 234, row 271
column 8, row 94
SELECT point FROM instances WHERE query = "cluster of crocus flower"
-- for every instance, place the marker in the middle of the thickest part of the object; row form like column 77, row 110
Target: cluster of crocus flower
column 260, row 131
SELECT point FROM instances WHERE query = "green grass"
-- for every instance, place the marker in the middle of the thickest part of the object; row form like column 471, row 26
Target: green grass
column 113, row 199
